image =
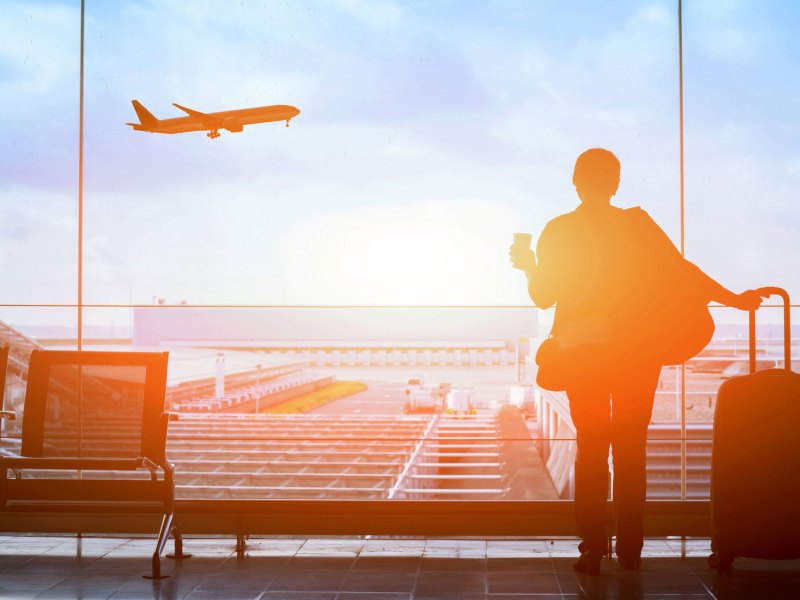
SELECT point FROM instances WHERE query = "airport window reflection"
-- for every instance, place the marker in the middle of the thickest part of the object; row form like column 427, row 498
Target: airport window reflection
column 329, row 274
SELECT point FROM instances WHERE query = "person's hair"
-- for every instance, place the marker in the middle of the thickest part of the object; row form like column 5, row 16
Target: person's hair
column 598, row 169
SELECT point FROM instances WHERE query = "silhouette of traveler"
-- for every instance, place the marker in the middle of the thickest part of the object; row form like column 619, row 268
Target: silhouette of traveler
column 622, row 293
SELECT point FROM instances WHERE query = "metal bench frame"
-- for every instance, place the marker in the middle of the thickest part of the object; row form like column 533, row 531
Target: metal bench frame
column 63, row 500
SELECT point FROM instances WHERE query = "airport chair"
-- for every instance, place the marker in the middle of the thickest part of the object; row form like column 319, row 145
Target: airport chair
column 94, row 435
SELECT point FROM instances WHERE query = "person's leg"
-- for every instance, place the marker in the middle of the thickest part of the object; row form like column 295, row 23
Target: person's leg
column 632, row 407
column 590, row 410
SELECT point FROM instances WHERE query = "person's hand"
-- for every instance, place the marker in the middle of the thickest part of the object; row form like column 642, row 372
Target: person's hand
column 522, row 258
column 749, row 300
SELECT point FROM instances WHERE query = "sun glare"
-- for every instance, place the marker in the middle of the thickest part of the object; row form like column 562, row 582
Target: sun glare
column 411, row 254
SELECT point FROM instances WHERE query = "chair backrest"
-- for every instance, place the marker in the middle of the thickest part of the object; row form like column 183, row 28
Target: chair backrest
column 3, row 368
column 95, row 404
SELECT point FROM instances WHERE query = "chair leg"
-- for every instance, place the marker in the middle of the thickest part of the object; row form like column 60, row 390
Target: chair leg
column 178, row 539
column 163, row 536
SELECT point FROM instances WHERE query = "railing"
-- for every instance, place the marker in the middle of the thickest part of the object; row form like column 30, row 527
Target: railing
column 557, row 438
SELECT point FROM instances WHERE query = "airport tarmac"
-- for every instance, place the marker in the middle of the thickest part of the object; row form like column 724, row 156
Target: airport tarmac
column 385, row 393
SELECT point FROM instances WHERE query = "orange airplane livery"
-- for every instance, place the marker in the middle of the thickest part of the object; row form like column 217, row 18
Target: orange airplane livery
column 232, row 120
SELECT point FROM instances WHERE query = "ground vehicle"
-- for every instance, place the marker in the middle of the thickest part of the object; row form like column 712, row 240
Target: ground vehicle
column 414, row 383
column 418, row 398
column 459, row 401
column 421, row 400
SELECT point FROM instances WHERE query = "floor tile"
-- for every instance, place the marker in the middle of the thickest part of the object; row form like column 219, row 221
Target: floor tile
column 227, row 594
column 320, row 562
column 82, row 591
column 331, row 547
column 541, row 563
column 513, row 582
column 375, row 569
column 669, row 583
column 601, row 586
column 448, row 584
column 252, row 564
column 515, row 549
column 511, row 597
column 308, row 581
column 372, row 596
column 272, row 547
column 437, row 563
column 284, row 595
column 369, row 562
column 146, row 589
column 379, row 581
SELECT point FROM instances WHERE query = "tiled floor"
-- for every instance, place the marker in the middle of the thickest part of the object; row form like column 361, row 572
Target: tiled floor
column 345, row 569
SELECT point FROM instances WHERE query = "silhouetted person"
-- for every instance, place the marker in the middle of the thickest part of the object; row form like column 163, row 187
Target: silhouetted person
column 603, row 268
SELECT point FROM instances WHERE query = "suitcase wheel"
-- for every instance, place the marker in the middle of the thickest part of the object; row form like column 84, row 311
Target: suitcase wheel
column 721, row 564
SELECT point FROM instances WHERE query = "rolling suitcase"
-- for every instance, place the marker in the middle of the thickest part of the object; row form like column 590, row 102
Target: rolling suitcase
column 755, row 460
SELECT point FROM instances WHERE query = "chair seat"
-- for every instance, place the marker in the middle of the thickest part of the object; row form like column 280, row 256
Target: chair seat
column 83, row 506
column 48, row 490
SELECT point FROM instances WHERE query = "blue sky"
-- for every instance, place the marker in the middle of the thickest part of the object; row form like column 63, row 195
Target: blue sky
column 430, row 132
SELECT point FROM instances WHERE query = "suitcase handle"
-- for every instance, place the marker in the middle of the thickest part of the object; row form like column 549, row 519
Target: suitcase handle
column 787, row 337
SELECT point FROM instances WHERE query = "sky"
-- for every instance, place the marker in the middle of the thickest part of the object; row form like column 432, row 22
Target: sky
column 430, row 132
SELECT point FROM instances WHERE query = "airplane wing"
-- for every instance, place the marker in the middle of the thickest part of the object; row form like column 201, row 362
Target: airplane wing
column 205, row 117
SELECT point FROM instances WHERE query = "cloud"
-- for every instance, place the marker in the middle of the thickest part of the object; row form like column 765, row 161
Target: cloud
column 793, row 166
column 39, row 233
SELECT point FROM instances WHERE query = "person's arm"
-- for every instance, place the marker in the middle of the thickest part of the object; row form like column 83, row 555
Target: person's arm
column 711, row 288
column 716, row 292
column 542, row 274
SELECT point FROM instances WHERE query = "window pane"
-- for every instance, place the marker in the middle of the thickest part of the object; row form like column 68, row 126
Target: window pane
column 377, row 404
column 39, row 65
column 742, row 124
column 428, row 134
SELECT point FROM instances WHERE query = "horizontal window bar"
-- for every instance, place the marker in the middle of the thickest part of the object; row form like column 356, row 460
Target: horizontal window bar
column 512, row 518
column 321, row 306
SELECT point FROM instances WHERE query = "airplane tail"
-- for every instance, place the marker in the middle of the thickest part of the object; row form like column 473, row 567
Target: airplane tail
column 146, row 118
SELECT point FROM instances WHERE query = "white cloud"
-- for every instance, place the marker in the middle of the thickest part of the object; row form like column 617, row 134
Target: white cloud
column 39, row 232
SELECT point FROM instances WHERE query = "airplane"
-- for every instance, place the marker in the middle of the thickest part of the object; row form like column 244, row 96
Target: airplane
column 232, row 120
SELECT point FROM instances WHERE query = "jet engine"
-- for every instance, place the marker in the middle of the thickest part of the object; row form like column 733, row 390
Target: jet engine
column 233, row 126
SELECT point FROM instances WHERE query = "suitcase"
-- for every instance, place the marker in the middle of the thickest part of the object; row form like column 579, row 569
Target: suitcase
column 755, row 460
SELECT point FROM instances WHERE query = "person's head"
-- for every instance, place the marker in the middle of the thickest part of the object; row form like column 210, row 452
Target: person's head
column 596, row 176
